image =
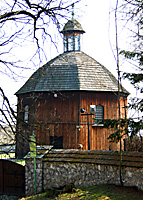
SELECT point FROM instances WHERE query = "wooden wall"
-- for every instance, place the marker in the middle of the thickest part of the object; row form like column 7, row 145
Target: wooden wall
column 61, row 116
column 58, row 117
column 98, row 134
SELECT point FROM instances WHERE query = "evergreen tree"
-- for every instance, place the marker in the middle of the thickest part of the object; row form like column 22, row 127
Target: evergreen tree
column 133, row 14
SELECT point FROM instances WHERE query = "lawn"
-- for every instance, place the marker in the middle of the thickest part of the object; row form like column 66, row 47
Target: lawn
column 99, row 192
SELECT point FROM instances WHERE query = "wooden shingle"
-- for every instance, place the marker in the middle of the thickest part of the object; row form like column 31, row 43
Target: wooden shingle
column 71, row 71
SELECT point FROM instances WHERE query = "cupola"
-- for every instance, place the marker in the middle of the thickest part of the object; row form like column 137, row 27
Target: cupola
column 72, row 32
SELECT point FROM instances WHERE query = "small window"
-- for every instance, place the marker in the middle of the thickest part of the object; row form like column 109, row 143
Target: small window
column 65, row 43
column 77, row 42
column 99, row 114
column 26, row 113
column 70, row 43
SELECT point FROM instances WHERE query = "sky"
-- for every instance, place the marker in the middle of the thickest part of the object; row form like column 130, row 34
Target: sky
column 98, row 21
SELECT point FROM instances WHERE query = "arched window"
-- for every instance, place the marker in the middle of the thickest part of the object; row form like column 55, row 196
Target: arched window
column 99, row 114
column 26, row 113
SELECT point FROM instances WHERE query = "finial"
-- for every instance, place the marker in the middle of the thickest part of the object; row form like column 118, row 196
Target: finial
column 73, row 11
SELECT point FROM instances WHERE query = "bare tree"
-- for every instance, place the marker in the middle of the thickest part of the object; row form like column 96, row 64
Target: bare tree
column 27, row 24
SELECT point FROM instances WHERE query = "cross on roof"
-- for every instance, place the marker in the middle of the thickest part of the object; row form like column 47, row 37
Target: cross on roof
column 73, row 11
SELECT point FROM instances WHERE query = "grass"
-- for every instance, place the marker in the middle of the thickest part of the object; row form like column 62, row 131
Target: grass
column 99, row 192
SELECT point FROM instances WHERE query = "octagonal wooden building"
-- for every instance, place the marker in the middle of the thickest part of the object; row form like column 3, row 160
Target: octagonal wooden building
column 51, row 101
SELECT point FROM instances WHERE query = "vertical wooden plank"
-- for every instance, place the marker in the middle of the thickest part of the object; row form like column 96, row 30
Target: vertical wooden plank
column 37, row 132
column 65, row 109
column 1, row 177
column 14, row 178
column 96, row 139
column 91, row 137
column 64, row 136
column 103, row 140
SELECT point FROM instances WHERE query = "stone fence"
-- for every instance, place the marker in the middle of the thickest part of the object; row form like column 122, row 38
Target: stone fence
column 82, row 168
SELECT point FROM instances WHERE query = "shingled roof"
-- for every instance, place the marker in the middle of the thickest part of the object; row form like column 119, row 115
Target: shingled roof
column 71, row 71
column 72, row 26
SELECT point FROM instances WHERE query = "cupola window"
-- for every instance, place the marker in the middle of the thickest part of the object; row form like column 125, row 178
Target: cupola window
column 65, row 43
column 70, row 43
column 72, row 32
column 77, row 42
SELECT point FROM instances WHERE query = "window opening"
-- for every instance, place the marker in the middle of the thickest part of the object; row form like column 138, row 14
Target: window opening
column 65, row 43
column 99, row 114
column 26, row 113
column 70, row 43
column 57, row 142
column 77, row 42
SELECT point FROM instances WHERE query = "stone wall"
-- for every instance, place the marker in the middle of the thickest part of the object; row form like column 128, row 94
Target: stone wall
column 29, row 176
column 79, row 174
column 83, row 168
column 83, row 174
